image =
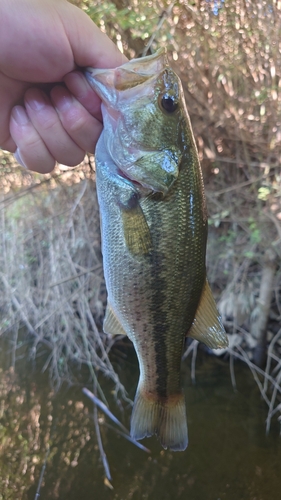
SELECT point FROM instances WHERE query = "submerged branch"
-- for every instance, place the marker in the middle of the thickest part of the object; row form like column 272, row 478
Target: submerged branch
column 112, row 417
column 100, row 445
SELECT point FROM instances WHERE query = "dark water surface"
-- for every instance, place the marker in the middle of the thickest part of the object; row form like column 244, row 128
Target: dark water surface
column 229, row 457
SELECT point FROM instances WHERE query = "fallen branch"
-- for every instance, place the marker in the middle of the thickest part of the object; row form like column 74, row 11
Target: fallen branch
column 112, row 417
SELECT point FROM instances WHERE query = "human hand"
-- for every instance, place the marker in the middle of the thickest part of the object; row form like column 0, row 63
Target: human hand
column 44, row 42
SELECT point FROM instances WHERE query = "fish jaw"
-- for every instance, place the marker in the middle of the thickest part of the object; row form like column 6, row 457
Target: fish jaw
column 130, row 75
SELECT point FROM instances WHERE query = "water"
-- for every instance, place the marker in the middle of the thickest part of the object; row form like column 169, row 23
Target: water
column 229, row 457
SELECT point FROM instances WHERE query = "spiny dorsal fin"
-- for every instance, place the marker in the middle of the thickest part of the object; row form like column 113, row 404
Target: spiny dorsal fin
column 111, row 324
column 207, row 326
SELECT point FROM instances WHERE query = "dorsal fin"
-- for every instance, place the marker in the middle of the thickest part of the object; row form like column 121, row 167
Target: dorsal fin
column 207, row 326
column 111, row 324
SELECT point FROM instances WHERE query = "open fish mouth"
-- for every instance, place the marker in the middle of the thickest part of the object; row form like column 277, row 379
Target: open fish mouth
column 129, row 75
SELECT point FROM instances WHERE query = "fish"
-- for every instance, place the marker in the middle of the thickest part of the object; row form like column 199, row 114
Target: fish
column 153, row 232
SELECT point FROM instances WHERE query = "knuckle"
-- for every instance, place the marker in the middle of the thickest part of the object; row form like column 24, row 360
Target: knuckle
column 49, row 124
column 32, row 142
column 76, row 126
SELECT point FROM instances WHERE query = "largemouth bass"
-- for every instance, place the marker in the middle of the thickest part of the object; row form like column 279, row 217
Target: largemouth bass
column 154, row 231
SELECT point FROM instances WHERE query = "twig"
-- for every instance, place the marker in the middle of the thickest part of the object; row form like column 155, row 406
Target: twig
column 42, row 473
column 225, row 159
column 94, row 268
column 45, row 463
column 128, row 437
column 91, row 369
column 164, row 15
column 278, row 408
column 268, row 362
column 104, row 353
column 193, row 363
column 104, row 408
column 102, row 452
column 238, row 186
column 272, row 401
column 99, row 439
column 77, row 201
column 232, row 373
column 254, row 369
column 112, row 417
column 189, row 349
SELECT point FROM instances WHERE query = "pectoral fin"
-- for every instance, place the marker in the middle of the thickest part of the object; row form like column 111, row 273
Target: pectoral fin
column 111, row 324
column 136, row 231
column 207, row 326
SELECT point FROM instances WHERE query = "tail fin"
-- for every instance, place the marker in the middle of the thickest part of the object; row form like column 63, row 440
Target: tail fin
column 167, row 420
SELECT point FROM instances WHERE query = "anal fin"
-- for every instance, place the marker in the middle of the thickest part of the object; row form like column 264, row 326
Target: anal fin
column 207, row 326
column 111, row 324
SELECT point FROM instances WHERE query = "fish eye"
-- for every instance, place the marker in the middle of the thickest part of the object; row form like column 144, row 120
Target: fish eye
column 169, row 103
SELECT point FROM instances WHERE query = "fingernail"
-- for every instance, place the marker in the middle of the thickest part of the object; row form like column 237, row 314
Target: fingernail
column 65, row 103
column 62, row 100
column 19, row 158
column 20, row 116
column 38, row 100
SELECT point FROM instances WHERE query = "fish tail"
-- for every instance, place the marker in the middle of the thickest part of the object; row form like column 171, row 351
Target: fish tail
column 172, row 430
column 167, row 420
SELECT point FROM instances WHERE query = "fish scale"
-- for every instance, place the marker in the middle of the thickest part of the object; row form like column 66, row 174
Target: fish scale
column 154, row 231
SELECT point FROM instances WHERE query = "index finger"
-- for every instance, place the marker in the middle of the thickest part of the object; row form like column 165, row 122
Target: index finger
column 80, row 88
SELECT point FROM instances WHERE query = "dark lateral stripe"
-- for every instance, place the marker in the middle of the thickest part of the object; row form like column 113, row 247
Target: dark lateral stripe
column 159, row 316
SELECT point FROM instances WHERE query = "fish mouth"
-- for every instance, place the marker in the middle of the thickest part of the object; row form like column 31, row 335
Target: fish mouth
column 134, row 73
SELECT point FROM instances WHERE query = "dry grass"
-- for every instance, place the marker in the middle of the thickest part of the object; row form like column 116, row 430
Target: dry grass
column 51, row 279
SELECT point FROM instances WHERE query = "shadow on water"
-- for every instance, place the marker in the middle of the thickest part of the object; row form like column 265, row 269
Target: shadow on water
column 229, row 457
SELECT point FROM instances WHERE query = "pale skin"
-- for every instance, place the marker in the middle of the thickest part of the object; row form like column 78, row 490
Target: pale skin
column 49, row 41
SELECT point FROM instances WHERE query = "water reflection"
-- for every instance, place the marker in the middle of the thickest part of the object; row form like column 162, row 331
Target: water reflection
column 228, row 456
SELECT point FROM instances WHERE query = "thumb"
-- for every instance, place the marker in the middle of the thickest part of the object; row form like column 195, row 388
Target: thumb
column 90, row 46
